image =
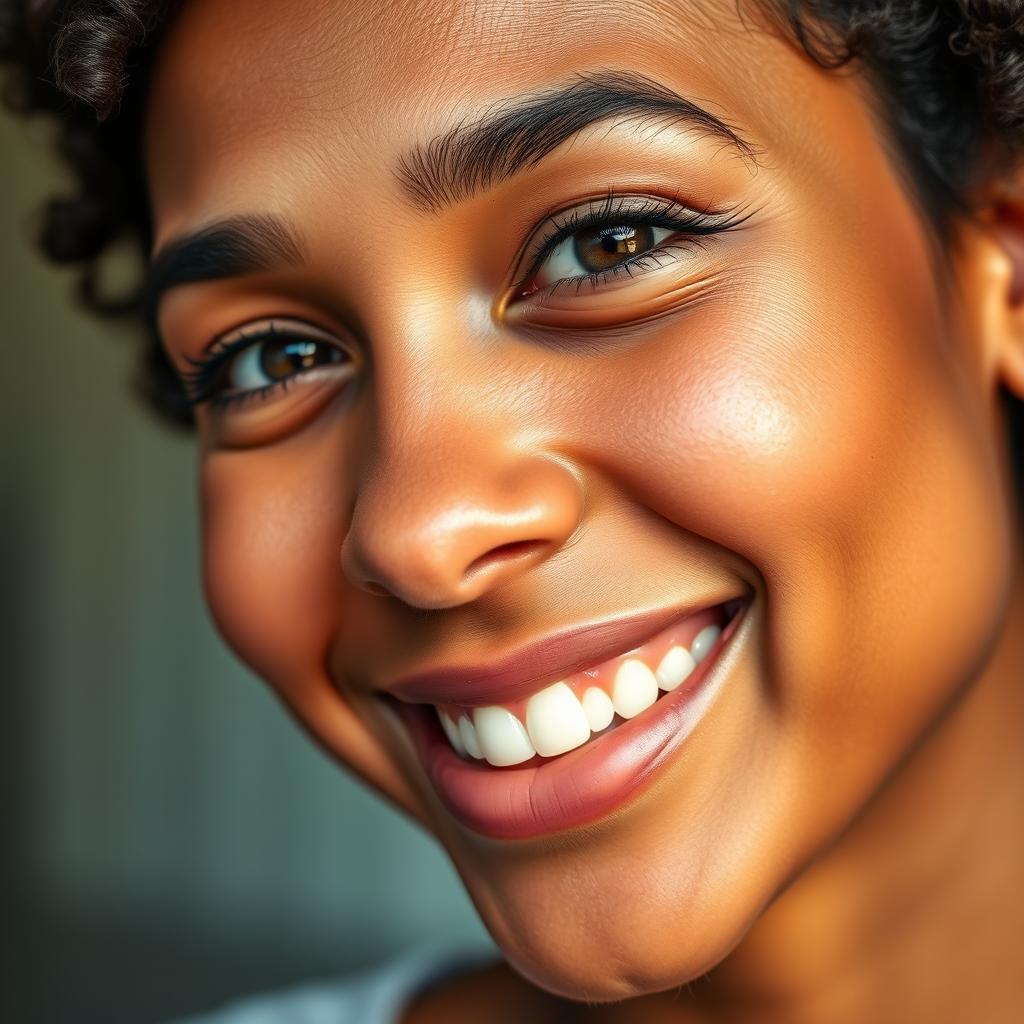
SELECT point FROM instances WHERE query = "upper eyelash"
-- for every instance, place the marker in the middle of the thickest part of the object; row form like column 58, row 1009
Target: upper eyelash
column 196, row 382
column 667, row 213
column 217, row 351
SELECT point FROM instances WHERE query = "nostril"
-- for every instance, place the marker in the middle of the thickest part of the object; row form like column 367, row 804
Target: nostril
column 505, row 553
column 376, row 588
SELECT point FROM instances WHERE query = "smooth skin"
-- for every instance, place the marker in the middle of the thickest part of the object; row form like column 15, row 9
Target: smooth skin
column 811, row 419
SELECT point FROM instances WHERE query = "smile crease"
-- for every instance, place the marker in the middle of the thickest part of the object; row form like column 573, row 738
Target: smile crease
column 568, row 713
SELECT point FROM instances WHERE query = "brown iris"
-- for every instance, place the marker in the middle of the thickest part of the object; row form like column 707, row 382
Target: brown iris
column 284, row 357
column 606, row 247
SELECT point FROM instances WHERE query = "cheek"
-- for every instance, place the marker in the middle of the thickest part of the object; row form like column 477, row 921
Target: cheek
column 830, row 436
column 272, row 533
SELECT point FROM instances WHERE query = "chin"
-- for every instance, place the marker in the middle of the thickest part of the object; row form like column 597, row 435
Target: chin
column 671, row 948
column 633, row 906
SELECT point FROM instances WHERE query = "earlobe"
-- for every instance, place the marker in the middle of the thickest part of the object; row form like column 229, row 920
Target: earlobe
column 1013, row 368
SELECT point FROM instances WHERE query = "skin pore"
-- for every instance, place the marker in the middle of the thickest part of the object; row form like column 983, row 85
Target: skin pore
column 800, row 409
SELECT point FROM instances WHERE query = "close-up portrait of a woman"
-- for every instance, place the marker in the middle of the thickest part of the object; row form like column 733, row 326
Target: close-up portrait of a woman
column 605, row 430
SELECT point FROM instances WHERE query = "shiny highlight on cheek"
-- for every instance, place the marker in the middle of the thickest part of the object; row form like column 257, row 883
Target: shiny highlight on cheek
column 742, row 415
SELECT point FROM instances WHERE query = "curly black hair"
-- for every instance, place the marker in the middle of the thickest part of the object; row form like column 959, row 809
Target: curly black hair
column 948, row 76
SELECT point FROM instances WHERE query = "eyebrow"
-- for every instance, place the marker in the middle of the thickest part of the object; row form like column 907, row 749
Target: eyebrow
column 446, row 170
column 241, row 244
column 520, row 133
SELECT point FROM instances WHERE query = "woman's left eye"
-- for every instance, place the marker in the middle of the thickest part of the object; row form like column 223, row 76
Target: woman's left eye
column 620, row 236
column 597, row 250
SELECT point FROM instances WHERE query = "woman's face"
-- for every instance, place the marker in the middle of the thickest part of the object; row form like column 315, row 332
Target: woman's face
column 763, row 410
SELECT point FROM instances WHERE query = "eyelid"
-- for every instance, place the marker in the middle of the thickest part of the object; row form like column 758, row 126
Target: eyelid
column 231, row 340
column 625, row 208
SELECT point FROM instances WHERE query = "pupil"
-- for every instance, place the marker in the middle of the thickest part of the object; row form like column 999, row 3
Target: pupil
column 604, row 248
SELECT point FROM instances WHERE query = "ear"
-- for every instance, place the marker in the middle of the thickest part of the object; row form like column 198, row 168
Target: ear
column 998, row 271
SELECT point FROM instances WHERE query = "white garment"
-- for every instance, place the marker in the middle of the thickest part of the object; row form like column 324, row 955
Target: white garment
column 377, row 995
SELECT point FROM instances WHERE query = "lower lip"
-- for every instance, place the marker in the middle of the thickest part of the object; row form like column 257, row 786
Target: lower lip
column 578, row 787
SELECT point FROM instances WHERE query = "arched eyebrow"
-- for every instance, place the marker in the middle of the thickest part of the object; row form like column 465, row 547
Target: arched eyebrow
column 520, row 133
column 448, row 169
column 229, row 247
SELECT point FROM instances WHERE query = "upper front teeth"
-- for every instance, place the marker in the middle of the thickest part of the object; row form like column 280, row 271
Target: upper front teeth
column 635, row 688
column 502, row 737
column 557, row 721
column 598, row 708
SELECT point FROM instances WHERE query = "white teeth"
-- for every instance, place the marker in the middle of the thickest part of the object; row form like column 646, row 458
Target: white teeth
column 469, row 739
column 451, row 730
column 703, row 642
column 635, row 688
column 598, row 708
column 555, row 721
column 677, row 664
column 502, row 737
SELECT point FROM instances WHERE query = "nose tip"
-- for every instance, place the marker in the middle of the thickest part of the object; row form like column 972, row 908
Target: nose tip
column 450, row 543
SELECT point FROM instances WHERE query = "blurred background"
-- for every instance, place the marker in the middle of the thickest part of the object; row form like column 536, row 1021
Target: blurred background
column 171, row 840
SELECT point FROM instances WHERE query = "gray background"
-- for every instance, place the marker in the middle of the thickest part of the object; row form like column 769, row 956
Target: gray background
column 170, row 837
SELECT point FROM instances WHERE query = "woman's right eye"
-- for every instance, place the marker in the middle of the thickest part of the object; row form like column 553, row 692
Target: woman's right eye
column 261, row 362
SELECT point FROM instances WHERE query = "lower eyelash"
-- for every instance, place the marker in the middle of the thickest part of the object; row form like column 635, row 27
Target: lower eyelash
column 225, row 399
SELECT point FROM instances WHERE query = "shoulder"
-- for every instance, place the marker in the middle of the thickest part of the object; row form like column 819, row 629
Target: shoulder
column 376, row 995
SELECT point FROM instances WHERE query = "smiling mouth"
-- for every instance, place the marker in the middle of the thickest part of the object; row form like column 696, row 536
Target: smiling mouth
column 586, row 704
column 577, row 745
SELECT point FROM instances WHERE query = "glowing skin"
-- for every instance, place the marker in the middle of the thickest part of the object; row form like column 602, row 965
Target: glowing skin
column 803, row 409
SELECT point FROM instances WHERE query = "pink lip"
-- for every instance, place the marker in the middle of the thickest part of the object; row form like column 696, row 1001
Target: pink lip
column 543, row 661
column 578, row 787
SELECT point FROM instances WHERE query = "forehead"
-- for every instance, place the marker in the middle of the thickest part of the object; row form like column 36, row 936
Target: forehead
column 324, row 58
column 247, row 92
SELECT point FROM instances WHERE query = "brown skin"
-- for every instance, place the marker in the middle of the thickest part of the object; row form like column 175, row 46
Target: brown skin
column 821, row 429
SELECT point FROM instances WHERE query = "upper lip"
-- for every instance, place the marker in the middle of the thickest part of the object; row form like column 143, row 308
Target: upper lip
column 550, row 658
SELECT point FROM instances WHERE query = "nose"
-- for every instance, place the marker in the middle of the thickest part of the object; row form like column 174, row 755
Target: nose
column 438, row 524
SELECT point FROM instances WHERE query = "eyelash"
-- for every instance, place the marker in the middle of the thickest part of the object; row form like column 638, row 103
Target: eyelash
column 199, row 381
column 620, row 210
column 624, row 211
